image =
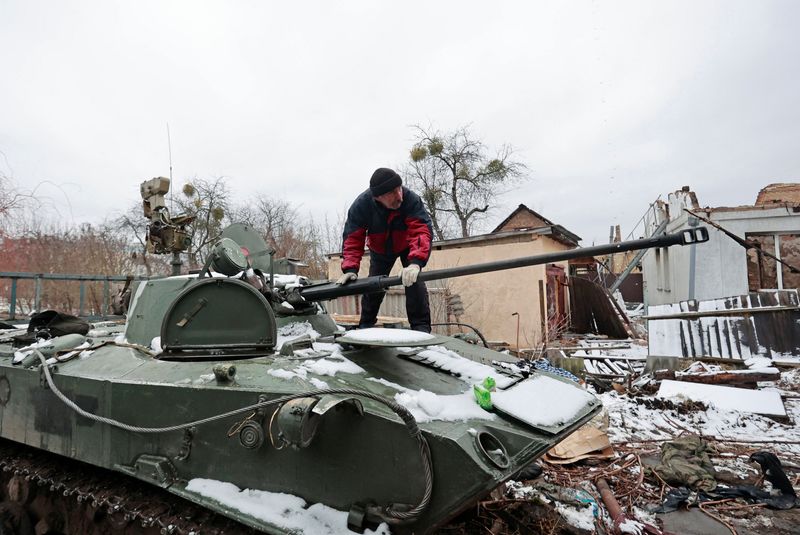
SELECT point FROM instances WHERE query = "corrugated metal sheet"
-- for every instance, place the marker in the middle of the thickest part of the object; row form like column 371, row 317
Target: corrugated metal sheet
column 764, row 323
column 394, row 304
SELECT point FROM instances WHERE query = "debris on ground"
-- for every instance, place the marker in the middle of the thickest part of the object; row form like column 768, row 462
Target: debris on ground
column 681, row 450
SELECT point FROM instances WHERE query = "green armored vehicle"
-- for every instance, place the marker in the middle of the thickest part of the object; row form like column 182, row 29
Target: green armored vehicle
column 233, row 389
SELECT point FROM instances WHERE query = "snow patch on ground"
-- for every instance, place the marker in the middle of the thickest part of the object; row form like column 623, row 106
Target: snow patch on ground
column 758, row 362
column 631, row 526
column 578, row 517
column 725, row 397
column 631, row 421
column 581, row 518
column 283, row 510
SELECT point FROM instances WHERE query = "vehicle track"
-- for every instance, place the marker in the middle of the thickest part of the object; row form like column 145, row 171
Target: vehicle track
column 46, row 494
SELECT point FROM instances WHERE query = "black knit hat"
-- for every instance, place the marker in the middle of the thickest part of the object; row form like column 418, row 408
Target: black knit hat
column 383, row 181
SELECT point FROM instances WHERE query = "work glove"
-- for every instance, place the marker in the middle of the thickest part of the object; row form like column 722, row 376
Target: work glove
column 347, row 277
column 409, row 274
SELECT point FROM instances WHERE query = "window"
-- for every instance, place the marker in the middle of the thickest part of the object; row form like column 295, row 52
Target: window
column 766, row 273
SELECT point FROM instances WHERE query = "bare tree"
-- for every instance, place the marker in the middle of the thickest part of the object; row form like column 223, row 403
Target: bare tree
column 209, row 202
column 132, row 225
column 457, row 179
column 14, row 202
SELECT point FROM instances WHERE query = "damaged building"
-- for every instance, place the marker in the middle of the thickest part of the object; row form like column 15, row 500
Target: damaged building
column 737, row 297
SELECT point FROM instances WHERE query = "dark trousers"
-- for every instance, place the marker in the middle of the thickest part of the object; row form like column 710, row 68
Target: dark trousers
column 417, row 306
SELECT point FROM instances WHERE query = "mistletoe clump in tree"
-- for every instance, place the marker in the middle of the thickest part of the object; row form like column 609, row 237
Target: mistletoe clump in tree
column 458, row 180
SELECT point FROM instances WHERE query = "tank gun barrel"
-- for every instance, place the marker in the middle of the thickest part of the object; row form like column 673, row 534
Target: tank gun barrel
column 322, row 292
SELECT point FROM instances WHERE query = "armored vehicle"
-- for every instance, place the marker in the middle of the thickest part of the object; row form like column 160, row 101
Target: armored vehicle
column 233, row 389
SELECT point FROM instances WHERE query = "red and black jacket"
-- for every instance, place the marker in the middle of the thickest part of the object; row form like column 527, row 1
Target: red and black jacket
column 386, row 232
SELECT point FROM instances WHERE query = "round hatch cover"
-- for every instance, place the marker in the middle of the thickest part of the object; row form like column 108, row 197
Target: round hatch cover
column 379, row 336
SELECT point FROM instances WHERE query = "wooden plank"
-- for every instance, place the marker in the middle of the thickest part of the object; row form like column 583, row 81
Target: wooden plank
column 727, row 312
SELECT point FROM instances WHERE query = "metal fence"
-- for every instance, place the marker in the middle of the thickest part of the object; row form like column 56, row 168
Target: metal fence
column 84, row 295
column 764, row 323
column 91, row 296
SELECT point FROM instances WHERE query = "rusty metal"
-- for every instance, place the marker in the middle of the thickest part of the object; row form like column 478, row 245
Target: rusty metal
column 616, row 513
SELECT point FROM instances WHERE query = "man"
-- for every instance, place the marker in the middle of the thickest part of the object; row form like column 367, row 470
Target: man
column 392, row 221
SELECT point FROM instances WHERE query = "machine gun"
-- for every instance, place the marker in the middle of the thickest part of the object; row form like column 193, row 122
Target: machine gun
column 329, row 290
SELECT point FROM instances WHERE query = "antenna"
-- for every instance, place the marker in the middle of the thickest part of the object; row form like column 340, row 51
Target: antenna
column 169, row 149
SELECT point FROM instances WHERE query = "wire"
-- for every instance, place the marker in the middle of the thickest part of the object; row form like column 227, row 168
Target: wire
column 387, row 513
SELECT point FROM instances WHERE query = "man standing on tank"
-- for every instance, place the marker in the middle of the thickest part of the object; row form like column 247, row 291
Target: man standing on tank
column 393, row 223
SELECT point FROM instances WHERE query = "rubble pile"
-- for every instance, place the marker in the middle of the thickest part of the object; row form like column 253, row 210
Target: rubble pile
column 698, row 447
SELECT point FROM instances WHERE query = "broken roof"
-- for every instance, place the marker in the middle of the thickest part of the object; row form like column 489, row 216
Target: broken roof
column 779, row 193
column 771, row 196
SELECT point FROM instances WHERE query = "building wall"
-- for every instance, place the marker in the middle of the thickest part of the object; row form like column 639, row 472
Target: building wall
column 490, row 298
column 523, row 219
column 720, row 265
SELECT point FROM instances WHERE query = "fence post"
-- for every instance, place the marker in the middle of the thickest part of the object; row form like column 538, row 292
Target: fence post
column 106, row 288
column 82, row 297
column 37, row 299
column 12, row 307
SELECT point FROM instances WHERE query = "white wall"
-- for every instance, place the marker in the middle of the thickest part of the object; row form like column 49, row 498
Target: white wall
column 720, row 264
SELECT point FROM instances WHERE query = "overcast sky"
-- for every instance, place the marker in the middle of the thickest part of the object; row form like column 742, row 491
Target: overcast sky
column 610, row 104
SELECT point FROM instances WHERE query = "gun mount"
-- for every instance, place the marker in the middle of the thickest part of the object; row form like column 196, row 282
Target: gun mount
column 165, row 234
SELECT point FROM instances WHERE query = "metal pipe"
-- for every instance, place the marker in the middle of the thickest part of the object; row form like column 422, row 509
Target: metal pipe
column 12, row 308
column 636, row 259
column 69, row 277
column 693, row 222
column 611, row 503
